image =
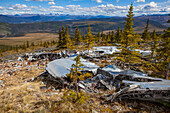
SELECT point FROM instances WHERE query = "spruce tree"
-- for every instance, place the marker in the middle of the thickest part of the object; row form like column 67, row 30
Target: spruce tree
column 145, row 34
column 163, row 53
column 108, row 37
column 60, row 40
column 78, row 36
column 98, row 37
column 154, row 43
column 41, row 43
column 76, row 73
column 128, row 54
column 89, row 38
column 129, row 31
column 117, row 35
column 16, row 48
column 28, row 44
column 112, row 38
column 32, row 44
column 63, row 45
column 24, row 47
column 67, row 38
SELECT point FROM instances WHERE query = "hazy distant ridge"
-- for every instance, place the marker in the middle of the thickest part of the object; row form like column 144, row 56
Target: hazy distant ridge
column 98, row 24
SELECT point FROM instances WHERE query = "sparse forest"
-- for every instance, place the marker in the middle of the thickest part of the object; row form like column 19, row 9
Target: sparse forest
column 71, row 98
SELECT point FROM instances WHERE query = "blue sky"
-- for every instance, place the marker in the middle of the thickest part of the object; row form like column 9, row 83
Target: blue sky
column 84, row 7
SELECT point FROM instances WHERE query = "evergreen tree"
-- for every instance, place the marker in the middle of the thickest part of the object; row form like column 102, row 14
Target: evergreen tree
column 60, row 40
column 67, row 38
column 41, row 44
column 28, row 44
column 127, row 54
column 32, row 44
column 163, row 52
column 98, row 37
column 108, row 37
column 145, row 34
column 112, row 38
column 75, row 75
column 103, row 37
column 102, row 34
column 129, row 31
column 63, row 38
column 154, row 43
column 46, row 44
column 16, row 48
column 89, row 38
column 78, row 36
column 117, row 35
column 24, row 47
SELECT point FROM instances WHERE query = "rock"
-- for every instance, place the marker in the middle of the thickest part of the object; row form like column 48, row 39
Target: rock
column 62, row 90
column 116, row 107
column 1, row 83
column 93, row 111
column 43, row 87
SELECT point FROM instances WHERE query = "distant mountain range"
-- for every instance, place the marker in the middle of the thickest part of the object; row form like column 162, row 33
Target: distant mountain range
column 34, row 18
column 19, row 25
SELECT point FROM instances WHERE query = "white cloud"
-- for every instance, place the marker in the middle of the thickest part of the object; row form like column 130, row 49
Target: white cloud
column 56, row 7
column 149, row 6
column 117, row 0
column 51, row 3
column 18, row 7
column 33, row 7
column 140, row 1
column 98, row 1
column 35, row 0
column 44, row 10
column 107, row 10
column 73, row 6
column 2, row 8
column 41, row 0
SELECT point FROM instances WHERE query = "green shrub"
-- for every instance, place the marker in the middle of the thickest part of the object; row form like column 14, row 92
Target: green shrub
column 72, row 96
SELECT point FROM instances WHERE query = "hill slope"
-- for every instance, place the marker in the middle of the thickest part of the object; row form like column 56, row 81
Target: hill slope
column 98, row 25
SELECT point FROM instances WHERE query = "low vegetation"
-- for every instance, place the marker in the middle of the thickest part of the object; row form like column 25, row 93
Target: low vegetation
column 21, row 96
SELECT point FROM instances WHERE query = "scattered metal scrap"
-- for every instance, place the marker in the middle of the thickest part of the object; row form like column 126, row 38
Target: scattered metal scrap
column 126, row 84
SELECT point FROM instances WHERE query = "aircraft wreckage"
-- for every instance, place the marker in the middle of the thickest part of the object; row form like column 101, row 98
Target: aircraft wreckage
column 126, row 84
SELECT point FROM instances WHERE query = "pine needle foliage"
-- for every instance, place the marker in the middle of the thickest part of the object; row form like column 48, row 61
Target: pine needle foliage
column 145, row 34
column 78, row 36
column 154, row 44
column 89, row 38
column 75, row 74
column 71, row 96
column 127, row 39
column 163, row 52
column 67, row 38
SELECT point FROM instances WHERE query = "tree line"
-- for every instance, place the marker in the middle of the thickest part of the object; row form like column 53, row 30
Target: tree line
column 127, row 41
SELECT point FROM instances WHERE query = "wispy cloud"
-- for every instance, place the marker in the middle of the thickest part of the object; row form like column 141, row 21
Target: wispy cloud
column 140, row 1
column 51, row 3
column 41, row 0
column 107, row 10
column 99, row 1
column 2, row 8
column 18, row 7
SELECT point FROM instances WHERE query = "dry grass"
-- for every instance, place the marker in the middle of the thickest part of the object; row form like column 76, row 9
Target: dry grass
column 17, row 95
column 31, row 37
column 20, row 96
column 151, row 28
column 94, row 22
